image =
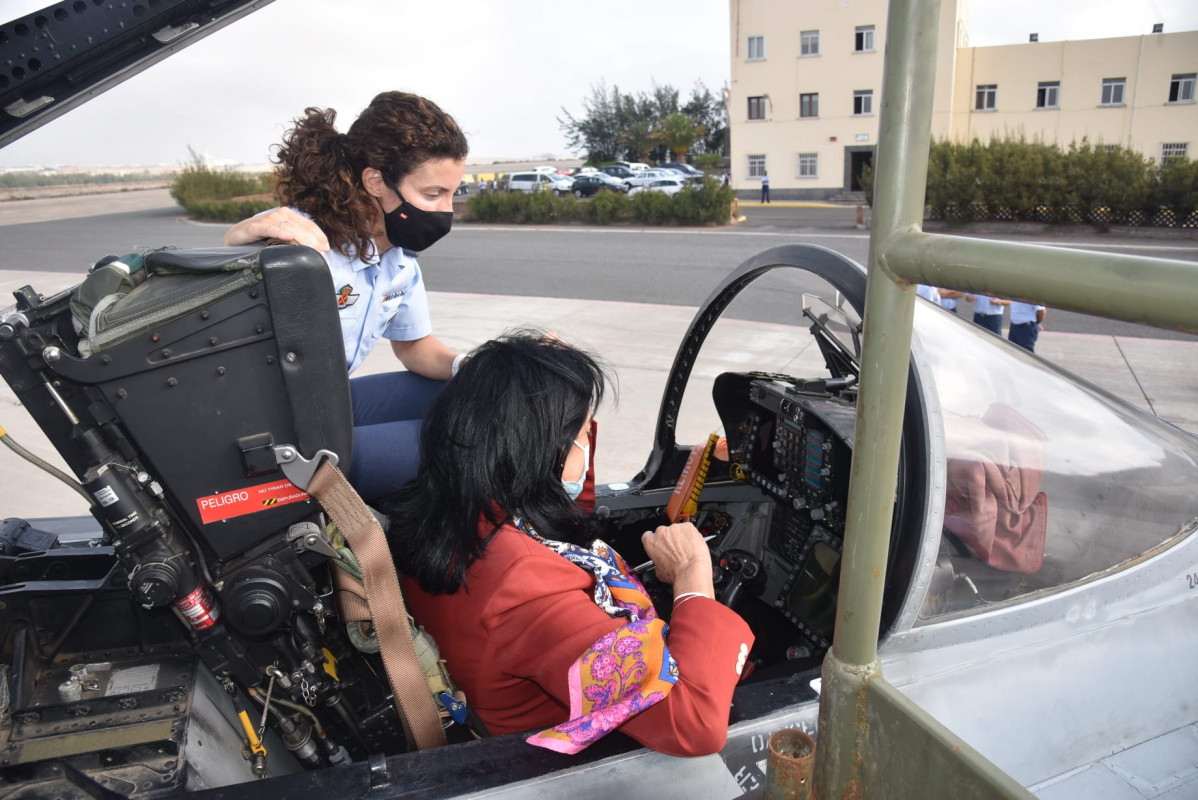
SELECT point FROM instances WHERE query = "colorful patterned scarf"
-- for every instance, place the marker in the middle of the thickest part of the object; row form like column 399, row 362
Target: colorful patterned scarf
column 623, row 672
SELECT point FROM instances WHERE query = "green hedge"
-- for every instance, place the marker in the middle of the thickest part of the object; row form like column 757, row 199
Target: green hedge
column 227, row 210
column 1014, row 179
column 220, row 195
column 707, row 203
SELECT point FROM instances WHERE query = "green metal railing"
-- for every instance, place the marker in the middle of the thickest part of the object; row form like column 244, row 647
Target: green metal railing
column 873, row 740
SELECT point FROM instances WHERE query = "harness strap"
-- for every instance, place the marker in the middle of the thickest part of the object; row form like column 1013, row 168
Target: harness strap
column 417, row 709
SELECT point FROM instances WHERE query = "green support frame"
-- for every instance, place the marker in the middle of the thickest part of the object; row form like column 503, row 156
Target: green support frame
column 873, row 741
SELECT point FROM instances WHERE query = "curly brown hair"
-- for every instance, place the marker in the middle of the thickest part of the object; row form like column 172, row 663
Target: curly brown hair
column 320, row 170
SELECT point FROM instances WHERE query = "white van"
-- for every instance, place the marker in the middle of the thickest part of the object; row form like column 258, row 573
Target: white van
column 540, row 182
column 635, row 166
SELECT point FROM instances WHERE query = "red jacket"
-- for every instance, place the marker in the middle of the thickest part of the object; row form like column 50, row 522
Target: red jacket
column 510, row 639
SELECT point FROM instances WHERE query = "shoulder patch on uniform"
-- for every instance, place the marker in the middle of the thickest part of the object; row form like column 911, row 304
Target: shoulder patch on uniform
column 346, row 296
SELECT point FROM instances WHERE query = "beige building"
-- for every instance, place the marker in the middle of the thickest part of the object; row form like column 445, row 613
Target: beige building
column 807, row 77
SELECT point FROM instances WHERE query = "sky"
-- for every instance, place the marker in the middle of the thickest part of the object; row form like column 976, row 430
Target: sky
column 503, row 68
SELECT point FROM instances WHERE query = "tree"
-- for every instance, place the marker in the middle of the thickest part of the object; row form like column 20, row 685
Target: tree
column 638, row 140
column 665, row 100
column 678, row 133
column 611, row 124
column 1175, row 185
column 709, row 112
column 708, row 162
column 598, row 131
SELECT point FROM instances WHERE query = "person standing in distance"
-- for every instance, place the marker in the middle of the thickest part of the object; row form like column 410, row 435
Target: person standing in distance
column 1026, row 322
column 370, row 200
column 987, row 311
column 765, row 188
column 949, row 299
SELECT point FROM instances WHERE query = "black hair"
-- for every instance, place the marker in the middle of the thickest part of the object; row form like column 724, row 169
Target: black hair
column 492, row 447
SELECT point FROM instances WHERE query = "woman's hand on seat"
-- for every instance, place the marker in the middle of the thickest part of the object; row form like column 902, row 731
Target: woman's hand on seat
column 681, row 557
column 279, row 223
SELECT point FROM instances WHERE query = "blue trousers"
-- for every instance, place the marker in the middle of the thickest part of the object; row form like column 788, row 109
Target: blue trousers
column 1025, row 335
column 389, row 409
column 991, row 322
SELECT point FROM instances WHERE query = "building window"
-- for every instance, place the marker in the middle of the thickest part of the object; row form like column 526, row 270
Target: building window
column 1110, row 148
column 757, row 107
column 756, row 166
column 808, row 165
column 809, row 105
column 1112, row 91
column 1171, row 150
column 809, row 43
column 756, row 48
column 864, row 42
column 986, row 98
column 1181, row 89
column 1048, row 94
column 863, row 103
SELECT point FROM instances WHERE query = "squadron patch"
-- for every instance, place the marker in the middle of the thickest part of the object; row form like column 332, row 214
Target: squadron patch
column 346, row 296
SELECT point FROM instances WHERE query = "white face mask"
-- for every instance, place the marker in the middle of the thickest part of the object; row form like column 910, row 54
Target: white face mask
column 574, row 488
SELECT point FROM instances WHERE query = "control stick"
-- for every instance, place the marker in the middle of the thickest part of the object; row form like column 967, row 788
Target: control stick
column 741, row 569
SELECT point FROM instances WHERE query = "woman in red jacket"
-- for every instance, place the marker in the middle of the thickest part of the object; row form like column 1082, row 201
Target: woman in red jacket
column 542, row 626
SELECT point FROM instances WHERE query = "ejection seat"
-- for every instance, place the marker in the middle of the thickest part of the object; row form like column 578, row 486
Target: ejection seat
column 220, row 365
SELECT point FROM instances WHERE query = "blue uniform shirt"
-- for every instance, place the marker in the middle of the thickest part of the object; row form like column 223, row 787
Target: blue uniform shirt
column 984, row 305
column 927, row 292
column 1022, row 313
column 379, row 299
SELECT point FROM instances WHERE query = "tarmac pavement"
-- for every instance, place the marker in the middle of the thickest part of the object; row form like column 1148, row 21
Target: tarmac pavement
column 638, row 341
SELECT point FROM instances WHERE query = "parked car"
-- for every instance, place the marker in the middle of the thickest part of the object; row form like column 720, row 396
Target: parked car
column 648, row 176
column 685, row 169
column 667, row 185
column 635, row 166
column 587, row 185
column 613, row 182
column 539, row 182
column 617, row 171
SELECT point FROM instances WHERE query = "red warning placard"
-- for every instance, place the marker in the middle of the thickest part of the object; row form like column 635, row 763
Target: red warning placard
column 249, row 500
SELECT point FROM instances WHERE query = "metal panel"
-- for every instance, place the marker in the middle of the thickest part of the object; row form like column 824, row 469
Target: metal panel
column 67, row 53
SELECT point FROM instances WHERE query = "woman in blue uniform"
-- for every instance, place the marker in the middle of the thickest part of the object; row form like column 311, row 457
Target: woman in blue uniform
column 370, row 199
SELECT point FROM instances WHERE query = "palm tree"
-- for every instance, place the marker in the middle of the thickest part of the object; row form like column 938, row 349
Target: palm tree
column 638, row 139
column 678, row 133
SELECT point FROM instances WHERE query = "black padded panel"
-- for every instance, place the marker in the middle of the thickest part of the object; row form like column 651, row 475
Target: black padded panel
column 203, row 259
column 303, row 311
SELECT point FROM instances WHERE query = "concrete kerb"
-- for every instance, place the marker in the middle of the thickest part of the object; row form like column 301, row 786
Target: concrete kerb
column 793, row 204
column 1078, row 230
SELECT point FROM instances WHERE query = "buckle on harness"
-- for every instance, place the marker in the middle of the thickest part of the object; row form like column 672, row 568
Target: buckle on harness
column 298, row 469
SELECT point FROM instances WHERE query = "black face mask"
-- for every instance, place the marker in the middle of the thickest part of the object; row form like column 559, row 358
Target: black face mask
column 414, row 228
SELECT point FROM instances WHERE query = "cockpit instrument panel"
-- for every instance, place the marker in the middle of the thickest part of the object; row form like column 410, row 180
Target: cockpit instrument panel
column 797, row 447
